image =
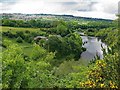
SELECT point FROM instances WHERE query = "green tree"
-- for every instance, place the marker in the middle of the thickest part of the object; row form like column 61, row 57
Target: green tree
column 74, row 42
column 62, row 28
column 13, row 67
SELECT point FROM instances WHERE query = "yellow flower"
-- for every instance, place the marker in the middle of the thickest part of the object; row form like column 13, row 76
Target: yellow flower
column 82, row 84
column 112, row 84
column 101, row 85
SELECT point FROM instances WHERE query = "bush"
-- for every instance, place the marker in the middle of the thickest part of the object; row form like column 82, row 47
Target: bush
column 8, row 34
column 20, row 34
column 104, row 73
column 28, row 38
column 27, row 31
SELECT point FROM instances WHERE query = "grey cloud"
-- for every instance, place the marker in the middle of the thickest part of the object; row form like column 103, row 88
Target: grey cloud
column 111, row 9
column 68, row 3
column 77, row 6
column 87, row 6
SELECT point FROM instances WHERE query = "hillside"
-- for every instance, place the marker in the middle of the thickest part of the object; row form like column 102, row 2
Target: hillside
column 48, row 16
column 44, row 51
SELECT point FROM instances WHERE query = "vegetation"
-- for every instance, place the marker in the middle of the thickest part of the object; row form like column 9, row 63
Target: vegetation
column 52, row 60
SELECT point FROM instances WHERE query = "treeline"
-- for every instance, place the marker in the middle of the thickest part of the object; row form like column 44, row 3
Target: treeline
column 97, row 25
column 30, row 23
column 53, row 23
column 23, row 36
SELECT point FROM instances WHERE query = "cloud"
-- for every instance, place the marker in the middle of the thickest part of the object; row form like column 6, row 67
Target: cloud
column 99, row 9
column 86, row 8
column 37, row 6
column 107, row 6
column 6, row 4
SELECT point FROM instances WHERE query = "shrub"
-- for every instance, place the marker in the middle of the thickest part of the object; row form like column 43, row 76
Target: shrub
column 8, row 34
column 21, row 34
column 27, row 31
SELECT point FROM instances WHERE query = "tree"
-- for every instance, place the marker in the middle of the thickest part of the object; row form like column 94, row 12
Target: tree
column 13, row 67
column 62, row 28
column 74, row 42
column 56, row 44
column 71, row 44
column 19, row 73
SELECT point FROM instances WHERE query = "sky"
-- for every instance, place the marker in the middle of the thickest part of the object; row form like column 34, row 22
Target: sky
column 106, row 9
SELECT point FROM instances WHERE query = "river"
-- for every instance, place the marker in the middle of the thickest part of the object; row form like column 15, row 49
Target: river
column 93, row 47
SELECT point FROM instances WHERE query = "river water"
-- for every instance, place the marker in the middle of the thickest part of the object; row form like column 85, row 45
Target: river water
column 93, row 47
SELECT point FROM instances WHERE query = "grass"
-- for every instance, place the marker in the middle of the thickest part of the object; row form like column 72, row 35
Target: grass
column 5, row 28
column 27, row 47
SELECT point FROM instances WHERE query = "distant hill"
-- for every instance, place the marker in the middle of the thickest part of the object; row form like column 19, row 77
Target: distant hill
column 48, row 16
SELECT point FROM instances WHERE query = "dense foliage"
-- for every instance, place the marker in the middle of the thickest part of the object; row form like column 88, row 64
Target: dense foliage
column 52, row 61
column 31, row 23
column 69, row 45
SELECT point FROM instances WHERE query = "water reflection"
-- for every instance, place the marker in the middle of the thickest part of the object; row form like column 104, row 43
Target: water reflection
column 93, row 47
